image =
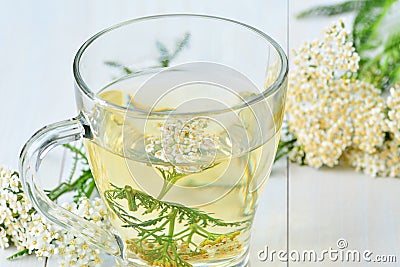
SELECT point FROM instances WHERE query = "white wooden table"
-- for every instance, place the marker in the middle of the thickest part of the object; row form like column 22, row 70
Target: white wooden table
column 38, row 40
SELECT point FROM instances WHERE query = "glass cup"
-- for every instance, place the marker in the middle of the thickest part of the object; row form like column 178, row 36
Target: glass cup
column 180, row 116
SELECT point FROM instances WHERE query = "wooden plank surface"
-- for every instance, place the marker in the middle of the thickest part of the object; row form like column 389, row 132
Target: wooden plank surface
column 331, row 204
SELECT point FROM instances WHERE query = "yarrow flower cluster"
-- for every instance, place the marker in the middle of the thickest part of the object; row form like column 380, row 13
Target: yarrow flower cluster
column 23, row 227
column 185, row 145
column 224, row 244
column 334, row 115
column 15, row 210
column 393, row 118
column 384, row 162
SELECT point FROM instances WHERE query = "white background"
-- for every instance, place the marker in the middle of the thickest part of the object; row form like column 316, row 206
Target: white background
column 38, row 40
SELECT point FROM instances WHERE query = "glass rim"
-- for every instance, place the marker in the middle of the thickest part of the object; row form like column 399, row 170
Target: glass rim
column 275, row 86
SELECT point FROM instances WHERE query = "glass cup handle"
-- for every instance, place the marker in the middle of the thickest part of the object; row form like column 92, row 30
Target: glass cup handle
column 31, row 156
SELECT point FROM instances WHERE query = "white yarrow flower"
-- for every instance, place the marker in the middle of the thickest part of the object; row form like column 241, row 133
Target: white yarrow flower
column 23, row 227
column 328, row 110
column 184, row 147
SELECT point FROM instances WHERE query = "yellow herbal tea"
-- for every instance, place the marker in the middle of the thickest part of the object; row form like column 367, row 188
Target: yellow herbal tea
column 176, row 192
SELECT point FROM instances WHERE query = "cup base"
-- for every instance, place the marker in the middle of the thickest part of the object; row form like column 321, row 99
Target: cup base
column 242, row 261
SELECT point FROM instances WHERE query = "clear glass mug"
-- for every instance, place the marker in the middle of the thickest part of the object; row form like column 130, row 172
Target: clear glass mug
column 180, row 116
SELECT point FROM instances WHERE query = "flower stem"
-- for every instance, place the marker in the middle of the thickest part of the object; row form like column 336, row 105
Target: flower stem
column 172, row 223
column 164, row 190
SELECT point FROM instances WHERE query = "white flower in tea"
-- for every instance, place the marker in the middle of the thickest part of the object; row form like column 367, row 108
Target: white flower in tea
column 184, row 146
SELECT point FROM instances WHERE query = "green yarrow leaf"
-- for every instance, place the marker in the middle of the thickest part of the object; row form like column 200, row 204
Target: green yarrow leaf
column 332, row 10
